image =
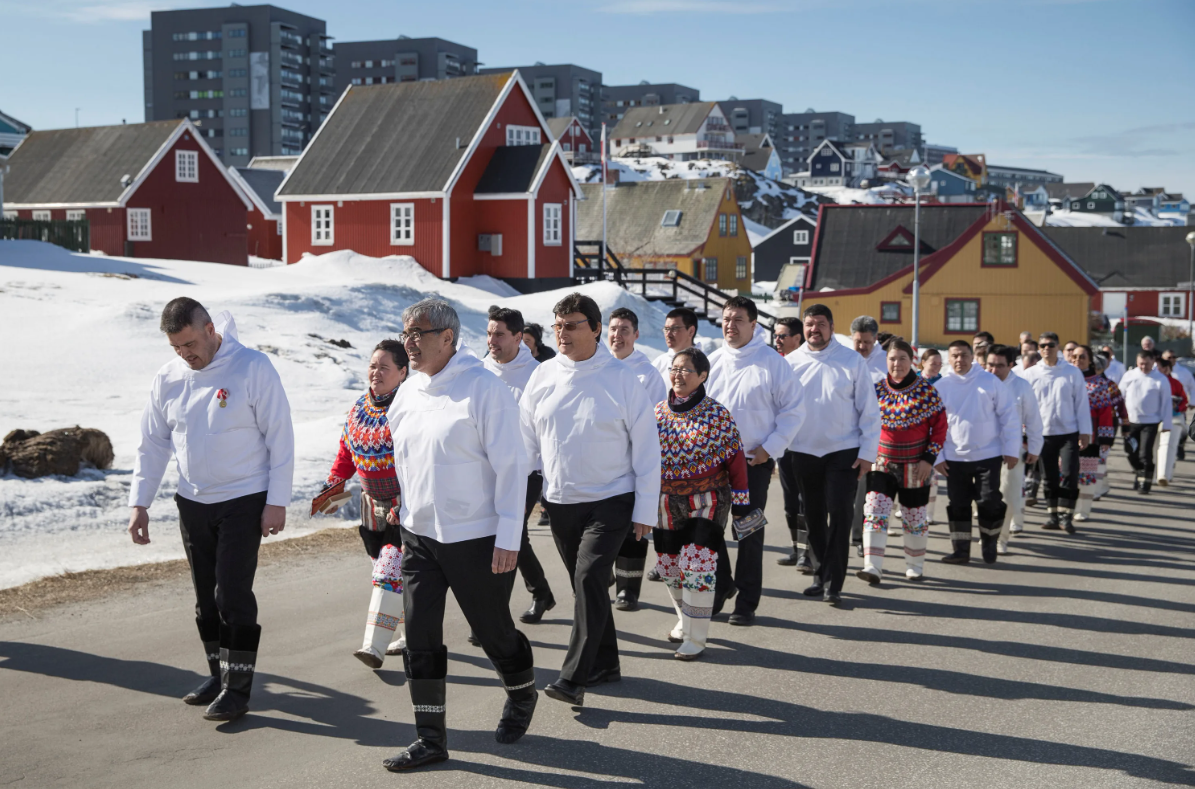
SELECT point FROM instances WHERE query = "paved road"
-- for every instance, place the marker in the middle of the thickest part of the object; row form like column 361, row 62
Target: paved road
column 1069, row 663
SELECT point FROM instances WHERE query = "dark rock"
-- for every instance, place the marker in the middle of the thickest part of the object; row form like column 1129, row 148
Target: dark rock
column 341, row 343
column 60, row 451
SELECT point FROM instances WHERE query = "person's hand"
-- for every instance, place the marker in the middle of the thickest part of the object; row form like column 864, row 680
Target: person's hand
column 1084, row 440
column 759, row 456
column 942, row 467
column 864, row 466
column 391, row 518
column 139, row 526
column 641, row 530
column 1010, row 461
column 1030, row 460
column 504, row 561
column 924, row 469
column 273, row 520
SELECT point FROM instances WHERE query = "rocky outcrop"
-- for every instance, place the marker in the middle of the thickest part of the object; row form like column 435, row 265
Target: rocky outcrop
column 63, row 451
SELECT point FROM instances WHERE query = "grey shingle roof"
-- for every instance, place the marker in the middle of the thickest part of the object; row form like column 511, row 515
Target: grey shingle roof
column 512, row 168
column 399, row 138
column 1132, row 257
column 662, row 120
column 635, row 211
column 264, row 183
column 559, row 125
column 1058, row 191
column 846, row 255
column 81, row 166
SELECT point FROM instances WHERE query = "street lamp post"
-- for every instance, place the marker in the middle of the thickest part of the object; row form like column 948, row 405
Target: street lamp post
column 919, row 177
column 1191, row 294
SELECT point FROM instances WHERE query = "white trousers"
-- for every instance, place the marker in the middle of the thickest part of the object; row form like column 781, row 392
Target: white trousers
column 1012, row 482
column 1168, row 448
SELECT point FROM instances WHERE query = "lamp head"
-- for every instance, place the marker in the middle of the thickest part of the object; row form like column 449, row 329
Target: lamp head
column 919, row 177
column 1191, row 238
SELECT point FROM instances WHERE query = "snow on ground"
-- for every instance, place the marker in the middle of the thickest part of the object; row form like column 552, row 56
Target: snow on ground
column 1141, row 218
column 82, row 346
column 845, row 195
column 755, row 231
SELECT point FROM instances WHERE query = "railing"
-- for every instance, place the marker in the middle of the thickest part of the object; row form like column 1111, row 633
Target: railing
column 723, row 146
column 72, row 235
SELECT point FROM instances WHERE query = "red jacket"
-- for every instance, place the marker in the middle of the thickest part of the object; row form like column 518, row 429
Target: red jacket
column 912, row 420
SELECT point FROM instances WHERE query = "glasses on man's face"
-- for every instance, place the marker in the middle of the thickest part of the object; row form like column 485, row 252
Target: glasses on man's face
column 1047, row 345
column 682, row 371
column 780, row 336
column 672, row 329
column 415, row 335
column 568, row 326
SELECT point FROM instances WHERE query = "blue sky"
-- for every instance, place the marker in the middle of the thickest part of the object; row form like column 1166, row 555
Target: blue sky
column 1097, row 91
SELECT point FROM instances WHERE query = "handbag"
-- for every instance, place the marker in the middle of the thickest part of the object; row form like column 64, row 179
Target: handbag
column 329, row 499
column 749, row 524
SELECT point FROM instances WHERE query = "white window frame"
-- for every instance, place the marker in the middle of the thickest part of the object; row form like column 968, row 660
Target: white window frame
column 1172, row 305
column 833, row 167
column 76, row 214
column 553, row 224
column 522, row 135
column 401, row 236
column 323, row 235
column 800, row 237
column 186, row 167
column 10, row 215
column 139, row 224
column 41, row 216
column 671, row 218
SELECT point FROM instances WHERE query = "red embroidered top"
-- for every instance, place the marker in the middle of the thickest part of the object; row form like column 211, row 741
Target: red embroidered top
column 1102, row 396
column 912, row 420
column 700, row 449
column 367, row 449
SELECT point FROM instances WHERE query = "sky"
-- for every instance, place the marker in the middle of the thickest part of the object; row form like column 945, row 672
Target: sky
column 1095, row 90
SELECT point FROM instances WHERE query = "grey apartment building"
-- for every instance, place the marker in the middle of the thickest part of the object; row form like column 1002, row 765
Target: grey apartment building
column 616, row 99
column 563, row 90
column 403, row 59
column 889, row 137
column 256, row 80
column 801, row 132
column 1012, row 177
column 753, row 116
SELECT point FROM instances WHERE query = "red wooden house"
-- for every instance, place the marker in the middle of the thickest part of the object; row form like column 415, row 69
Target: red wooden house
column 461, row 174
column 147, row 190
column 264, row 226
column 575, row 141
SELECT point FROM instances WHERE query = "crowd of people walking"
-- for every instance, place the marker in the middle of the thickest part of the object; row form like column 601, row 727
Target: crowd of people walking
column 454, row 452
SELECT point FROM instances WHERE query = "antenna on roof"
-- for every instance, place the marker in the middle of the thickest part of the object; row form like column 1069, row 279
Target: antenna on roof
column 458, row 143
column 125, row 180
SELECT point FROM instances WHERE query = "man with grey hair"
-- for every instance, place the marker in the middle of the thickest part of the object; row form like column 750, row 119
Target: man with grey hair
column 863, row 334
column 463, row 471
column 221, row 410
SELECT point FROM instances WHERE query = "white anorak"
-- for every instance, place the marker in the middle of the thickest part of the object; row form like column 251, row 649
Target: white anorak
column 839, row 402
column 1027, row 411
column 1061, row 393
column 981, row 417
column 762, row 393
column 514, row 373
column 1147, row 397
column 648, row 376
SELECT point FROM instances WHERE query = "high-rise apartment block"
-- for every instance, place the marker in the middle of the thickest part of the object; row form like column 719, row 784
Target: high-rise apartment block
column 753, row 116
column 256, row 80
column 617, row 99
column 402, row 59
column 563, row 90
column 801, row 132
column 890, row 137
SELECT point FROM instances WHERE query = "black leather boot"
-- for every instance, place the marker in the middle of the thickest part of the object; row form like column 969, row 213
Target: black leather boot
column 960, row 540
column 518, row 678
column 1066, row 519
column 1053, row 520
column 794, row 532
column 209, row 634
column 628, row 576
column 426, row 673
column 989, row 536
column 238, row 659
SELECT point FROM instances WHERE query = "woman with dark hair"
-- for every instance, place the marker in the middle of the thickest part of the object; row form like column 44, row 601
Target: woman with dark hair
column 533, row 338
column 367, row 450
column 1102, row 396
column 912, row 431
column 703, row 470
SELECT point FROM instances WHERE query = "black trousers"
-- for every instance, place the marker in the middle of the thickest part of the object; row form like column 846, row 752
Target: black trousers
column 431, row 568
column 529, row 566
column 221, row 541
column 828, row 485
column 976, row 481
column 1139, row 442
column 588, row 537
column 748, row 564
column 1060, row 467
column 375, row 541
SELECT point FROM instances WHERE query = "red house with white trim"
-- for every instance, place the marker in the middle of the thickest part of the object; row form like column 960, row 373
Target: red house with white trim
column 461, row 174
column 147, row 190
column 264, row 225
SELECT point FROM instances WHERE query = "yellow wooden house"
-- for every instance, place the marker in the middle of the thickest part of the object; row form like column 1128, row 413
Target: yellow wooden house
column 984, row 267
column 691, row 225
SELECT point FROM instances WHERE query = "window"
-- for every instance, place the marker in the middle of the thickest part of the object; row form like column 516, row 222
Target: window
column 321, row 225
column 238, row 113
column 76, row 215
column 800, row 236
column 237, row 72
column 186, row 166
column 671, row 219
column 241, row 132
column 734, row 226
column 1090, row 205
column 999, row 249
column 522, row 135
column 962, row 316
column 721, row 224
column 402, row 224
column 740, row 267
column 552, row 212
column 711, row 269
column 834, row 167
column 889, row 312
column 242, row 151
column 41, row 216
column 236, row 92
column 238, row 53
column 1171, row 305
column 139, row 228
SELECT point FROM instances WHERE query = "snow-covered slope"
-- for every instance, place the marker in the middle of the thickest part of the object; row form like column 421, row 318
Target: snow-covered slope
column 82, row 346
column 1141, row 218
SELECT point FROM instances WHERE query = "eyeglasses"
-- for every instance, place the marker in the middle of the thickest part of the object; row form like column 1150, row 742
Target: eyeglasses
column 681, row 371
column 1047, row 345
column 415, row 335
column 568, row 326
column 673, row 329
column 780, row 336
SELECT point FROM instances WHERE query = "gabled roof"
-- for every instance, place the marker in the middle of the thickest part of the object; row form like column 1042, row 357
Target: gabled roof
column 757, row 151
column 972, row 164
column 937, row 168
column 259, row 185
column 559, row 126
column 85, row 167
column 1127, row 257
column 11, row 125
column 635, row 211
column 662, row 120
column 513, row 168
column 1059, row 191
column 799, row 218
column 398, row 139
column 1115, row 195
column 906, row 158
column 834, row 146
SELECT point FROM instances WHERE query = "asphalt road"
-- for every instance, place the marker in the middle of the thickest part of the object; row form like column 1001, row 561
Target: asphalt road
column 1068, row 663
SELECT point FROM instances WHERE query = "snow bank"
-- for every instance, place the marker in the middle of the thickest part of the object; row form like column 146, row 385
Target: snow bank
column 83, row 346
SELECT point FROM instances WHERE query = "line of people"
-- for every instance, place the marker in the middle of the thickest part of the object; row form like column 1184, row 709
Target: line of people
column 453, row 452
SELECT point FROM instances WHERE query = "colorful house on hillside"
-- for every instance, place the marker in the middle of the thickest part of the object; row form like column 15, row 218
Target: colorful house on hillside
column 968, row 165
column 264, row 226
column 947, row 186
column 12, row 131
column 759, row 155
column 791, row 244
column 691, row 225
column 682, row 132
column 146, row 190
column 575, row 141
column 983, row 267
column 461, row 174
column 1100, row 199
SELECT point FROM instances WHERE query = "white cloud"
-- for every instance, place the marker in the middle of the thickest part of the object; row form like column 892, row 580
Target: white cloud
column 649, row 7
column 92, row 12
